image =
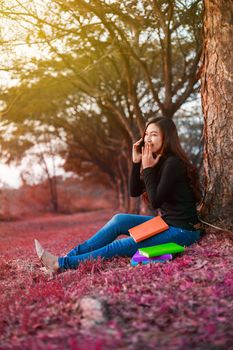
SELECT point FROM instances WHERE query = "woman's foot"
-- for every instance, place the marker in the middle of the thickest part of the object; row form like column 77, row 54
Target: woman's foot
column 48, row 260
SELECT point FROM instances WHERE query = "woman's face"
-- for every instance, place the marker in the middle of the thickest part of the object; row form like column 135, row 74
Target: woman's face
column 154, row 136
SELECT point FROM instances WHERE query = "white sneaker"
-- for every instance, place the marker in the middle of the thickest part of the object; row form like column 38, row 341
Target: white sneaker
column 39, row 249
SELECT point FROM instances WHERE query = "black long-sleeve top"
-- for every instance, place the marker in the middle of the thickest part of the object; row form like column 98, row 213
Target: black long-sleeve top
column 168, row 190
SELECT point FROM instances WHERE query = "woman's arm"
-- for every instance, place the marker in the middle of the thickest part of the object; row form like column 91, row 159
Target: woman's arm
column 136, row 185
column 158, row 193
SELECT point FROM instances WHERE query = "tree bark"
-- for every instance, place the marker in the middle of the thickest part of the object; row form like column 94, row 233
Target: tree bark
column 217, row 92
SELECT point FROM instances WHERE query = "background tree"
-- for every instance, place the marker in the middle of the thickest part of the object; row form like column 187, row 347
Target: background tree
column 111, row 65
column 38, row 146
column 217, row 91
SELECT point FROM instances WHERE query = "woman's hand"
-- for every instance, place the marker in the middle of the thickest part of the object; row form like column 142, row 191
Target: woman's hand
column 136, row 155
column 148, row 161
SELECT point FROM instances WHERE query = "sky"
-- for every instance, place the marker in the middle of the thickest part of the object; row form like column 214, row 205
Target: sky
column 9, row 176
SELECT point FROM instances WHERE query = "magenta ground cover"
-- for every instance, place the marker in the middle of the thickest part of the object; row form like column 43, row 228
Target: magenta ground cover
column 184, row 304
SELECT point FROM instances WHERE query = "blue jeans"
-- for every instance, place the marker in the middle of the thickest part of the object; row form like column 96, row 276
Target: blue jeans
column 104, row 244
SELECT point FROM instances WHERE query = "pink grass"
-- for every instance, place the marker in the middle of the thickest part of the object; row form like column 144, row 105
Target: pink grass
column 183, row 304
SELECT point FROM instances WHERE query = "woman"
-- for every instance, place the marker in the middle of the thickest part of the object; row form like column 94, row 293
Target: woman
column 162, row 173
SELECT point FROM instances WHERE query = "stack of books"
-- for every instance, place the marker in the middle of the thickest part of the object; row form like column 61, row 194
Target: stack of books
column 157, row 253
column 138, row 258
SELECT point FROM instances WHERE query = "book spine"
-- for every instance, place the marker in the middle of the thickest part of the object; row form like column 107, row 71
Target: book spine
column 140, row 258
column 145, row 237
column 151, row 255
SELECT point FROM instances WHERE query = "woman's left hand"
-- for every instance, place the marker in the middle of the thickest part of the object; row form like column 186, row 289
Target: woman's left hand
column 148, row 161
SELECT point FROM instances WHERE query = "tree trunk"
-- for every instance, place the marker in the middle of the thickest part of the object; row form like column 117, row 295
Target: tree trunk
column 120, row 198
column 54, row 195
column 217, row 92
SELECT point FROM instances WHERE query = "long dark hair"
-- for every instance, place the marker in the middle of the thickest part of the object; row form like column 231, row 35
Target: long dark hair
column 171, row 145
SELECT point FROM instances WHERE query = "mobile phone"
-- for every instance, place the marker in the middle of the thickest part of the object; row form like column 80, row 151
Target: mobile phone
column 142, row 143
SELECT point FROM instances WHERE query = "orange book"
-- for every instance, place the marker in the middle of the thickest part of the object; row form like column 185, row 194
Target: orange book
column 148, row 229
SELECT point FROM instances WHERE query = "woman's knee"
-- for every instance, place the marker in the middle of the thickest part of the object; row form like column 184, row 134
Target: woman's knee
column 118, row 218
column 124, row 246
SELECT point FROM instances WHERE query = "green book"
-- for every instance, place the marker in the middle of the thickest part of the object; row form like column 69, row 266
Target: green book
column 156, row 250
